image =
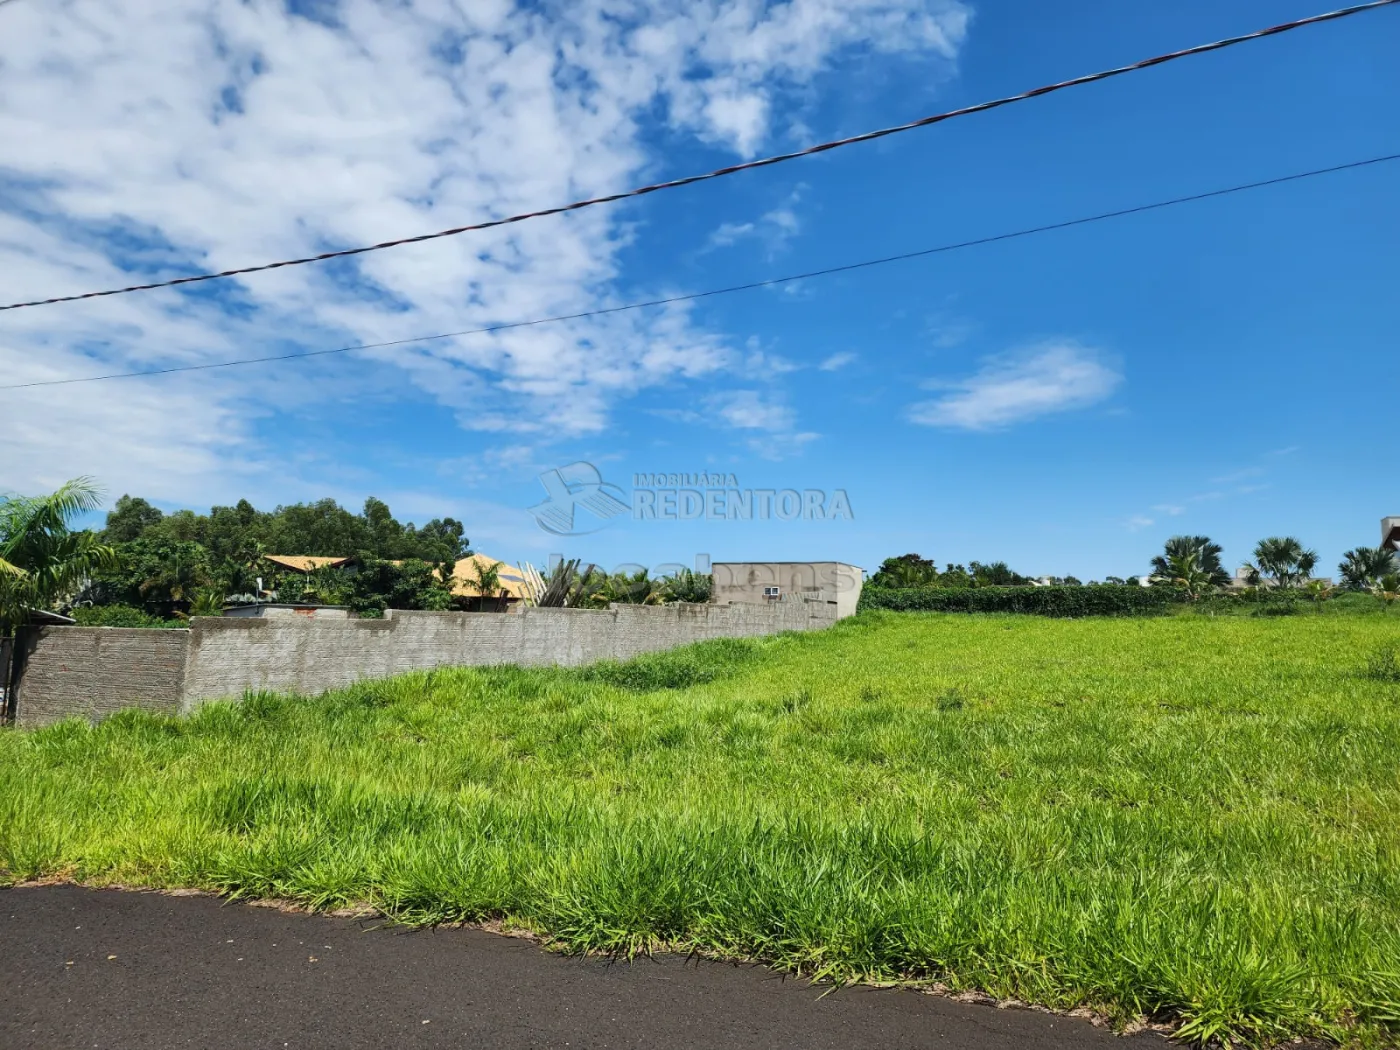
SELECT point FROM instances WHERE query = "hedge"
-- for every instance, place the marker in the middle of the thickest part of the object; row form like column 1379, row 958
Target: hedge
column 1094, row 600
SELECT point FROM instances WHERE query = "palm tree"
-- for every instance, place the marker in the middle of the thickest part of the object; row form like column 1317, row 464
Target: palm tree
column 208, row 601
column 1283, row 560
column 1364, row 568
column 41, row 561
column 1204, row 555
column 908, row 570
column 487, row 579
column 1185, row 570
column 689, row 586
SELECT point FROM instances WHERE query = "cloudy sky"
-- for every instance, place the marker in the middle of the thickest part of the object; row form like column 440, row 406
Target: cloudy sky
column 1064, row 402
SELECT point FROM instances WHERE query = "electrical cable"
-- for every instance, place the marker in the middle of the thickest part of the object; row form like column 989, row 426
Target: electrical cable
column 752, row 285
column 869, row 136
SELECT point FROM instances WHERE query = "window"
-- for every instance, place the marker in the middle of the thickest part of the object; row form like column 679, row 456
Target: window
column 771, row 593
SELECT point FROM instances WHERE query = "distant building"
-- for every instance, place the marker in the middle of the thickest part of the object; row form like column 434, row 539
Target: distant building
column 756, row 583
column 305, row 563
column 1390, row 533
column 510, row 579
column 1241, row 580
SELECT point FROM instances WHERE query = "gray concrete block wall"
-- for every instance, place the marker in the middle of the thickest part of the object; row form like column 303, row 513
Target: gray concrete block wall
column 92, row 671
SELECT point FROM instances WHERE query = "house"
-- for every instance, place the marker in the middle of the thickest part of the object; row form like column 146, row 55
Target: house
column 756, row 583
column 511, row 581
column 305, row 564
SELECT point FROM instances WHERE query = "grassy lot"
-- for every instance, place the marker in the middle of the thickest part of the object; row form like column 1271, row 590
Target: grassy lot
column 1192, row 818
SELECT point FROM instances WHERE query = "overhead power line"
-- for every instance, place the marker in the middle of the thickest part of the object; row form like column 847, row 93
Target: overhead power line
column 869, row 136
column 750, row 286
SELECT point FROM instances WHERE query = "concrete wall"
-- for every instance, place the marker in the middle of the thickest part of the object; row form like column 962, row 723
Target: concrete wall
column 92, row 671
column 95, row 671
column 319, row 612
column 830, row 582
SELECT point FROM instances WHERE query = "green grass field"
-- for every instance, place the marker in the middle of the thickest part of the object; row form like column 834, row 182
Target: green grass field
column 1190, row 818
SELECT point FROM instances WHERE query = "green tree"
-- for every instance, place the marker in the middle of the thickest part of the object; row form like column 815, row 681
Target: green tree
column 410, row 584
column 208, row 601
column 131, row 517
column 1205, row 560
column 1283, row 561
column 997, row 574
column 689, row 586
column 621, row 588
column 1364, row 568
column 42, row 561
column 1184, row 569
column 487, row 581
column 955, row 577
column 155, row 574
column 908, row 570
column 442, row 540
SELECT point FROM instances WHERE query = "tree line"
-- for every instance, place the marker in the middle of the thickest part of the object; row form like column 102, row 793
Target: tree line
column 1189, row 564
column 146, row 568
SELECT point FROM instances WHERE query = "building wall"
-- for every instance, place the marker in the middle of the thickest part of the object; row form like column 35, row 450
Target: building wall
column 828, row 582
column 92, row 671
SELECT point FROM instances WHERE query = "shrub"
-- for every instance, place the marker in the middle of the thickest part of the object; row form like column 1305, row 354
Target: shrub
column 1095, row 600
column 120, row 616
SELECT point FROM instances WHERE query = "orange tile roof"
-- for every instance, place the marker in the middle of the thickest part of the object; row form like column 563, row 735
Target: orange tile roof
column 512, row 579
column 303, row 562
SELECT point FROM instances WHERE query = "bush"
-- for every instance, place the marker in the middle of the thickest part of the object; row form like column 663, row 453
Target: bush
column 1095, row 600
column 120, row 616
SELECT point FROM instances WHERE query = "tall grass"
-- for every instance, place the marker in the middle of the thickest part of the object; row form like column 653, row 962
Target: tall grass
column 1187, row 818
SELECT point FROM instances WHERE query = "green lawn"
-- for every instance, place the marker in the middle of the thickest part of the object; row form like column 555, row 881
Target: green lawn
column 1193, row 818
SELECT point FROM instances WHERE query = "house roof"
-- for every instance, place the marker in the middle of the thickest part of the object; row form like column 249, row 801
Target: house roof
column 303, row 562
column 44, row 618
column 512, row 579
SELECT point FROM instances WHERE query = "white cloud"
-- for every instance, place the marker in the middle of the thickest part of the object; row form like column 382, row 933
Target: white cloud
column 1055, row 377
column 774, row 228
column 1138, row 522
column 730, row 233
column 837, row 361
column 1170, row 509
column 146, row 141
column 753, row 410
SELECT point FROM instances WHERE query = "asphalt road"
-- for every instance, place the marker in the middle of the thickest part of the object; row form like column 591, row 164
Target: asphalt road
column 110, row 969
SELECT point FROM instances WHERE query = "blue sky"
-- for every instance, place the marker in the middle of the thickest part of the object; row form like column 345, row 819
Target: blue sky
column 1064, row 402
